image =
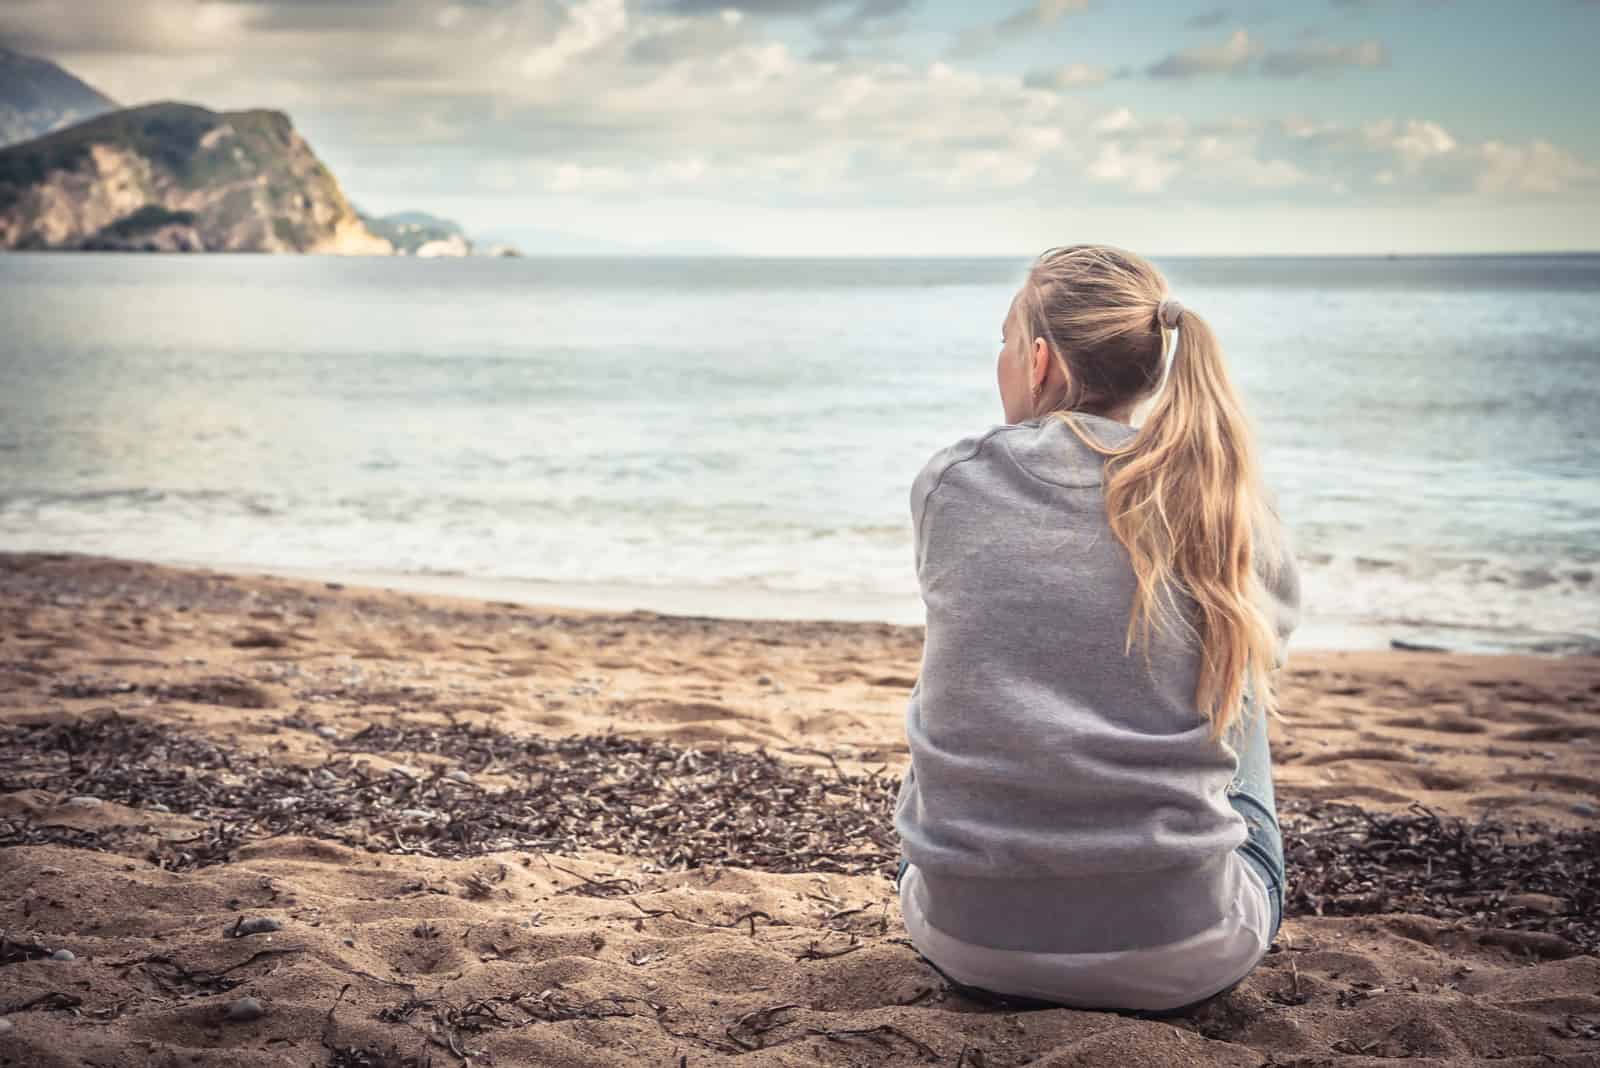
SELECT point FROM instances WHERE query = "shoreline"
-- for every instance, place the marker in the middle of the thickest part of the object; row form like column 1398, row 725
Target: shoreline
column 814, row 606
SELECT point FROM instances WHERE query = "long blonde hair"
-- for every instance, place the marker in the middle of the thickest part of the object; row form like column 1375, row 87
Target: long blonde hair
column 1184, row 495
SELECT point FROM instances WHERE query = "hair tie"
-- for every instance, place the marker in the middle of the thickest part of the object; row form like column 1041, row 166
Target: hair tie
column 1169, row 312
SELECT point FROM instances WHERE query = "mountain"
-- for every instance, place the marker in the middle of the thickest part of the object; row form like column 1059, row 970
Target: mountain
column 416, row 233
column 176, row 177
column 36, row 97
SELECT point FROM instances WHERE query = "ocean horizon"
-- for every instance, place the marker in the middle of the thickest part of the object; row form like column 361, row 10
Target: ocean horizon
column 737, row 435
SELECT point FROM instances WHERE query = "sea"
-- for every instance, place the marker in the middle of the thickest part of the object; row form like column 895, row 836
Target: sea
column 737, row 437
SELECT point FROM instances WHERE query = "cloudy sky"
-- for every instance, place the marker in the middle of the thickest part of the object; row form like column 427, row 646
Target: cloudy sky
column 904, row 126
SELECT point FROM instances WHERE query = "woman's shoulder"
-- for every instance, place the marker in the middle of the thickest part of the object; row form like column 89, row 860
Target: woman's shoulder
column 1046, row 450
column 958, row 452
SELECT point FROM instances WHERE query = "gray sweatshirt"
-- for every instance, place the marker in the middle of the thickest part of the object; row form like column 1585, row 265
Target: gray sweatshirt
column 1063, row 796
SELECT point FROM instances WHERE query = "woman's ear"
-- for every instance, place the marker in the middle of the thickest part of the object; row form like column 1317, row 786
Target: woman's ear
column 1038, row 365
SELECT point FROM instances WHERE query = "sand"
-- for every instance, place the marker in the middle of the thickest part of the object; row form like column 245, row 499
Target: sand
column 331, row 759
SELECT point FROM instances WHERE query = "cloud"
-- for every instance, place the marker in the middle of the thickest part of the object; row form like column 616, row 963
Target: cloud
column 1240, row 52
column 751, row 7
column 1070, row 76
column 1231, row 56
column 1324, row 58
column 1206, row 20
column 988, row 36
column 870, row 23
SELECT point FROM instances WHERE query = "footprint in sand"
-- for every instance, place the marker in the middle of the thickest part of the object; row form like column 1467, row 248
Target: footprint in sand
column 1367, row 753
column 1563, row 732
column 1442, row 724
column 684, row 712
column 1554, row 781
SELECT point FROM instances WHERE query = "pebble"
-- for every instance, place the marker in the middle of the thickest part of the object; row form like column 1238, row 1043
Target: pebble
column 1583, row 808
column 6, row 1026
column 84, row 802
column 255, row 925
column 246, row 1009
column 63, row 954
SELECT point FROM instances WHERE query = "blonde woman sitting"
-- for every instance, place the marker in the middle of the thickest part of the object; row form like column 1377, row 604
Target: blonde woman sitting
column 1088, row 819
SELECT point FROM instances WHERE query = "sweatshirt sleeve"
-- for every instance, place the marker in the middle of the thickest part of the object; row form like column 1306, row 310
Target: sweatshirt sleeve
column 928, row 479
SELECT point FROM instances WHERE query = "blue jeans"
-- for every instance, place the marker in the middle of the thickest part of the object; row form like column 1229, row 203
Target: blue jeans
column 1252, row 796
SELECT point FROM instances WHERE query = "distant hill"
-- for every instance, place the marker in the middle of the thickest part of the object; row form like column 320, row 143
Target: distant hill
column 176, row 177
column 36, row 97
column 416, row 233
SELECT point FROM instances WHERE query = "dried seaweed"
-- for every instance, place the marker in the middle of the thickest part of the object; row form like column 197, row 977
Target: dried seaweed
column 684, row 807
column 1346, row 861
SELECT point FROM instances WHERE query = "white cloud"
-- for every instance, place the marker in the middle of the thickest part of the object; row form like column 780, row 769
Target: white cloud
column 591, row 24
column 1040, row 14
column 1322, row 57
column 1070, row 76
column 1231, row 56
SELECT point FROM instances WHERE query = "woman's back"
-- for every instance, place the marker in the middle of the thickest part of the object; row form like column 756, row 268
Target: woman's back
column 1065, row 796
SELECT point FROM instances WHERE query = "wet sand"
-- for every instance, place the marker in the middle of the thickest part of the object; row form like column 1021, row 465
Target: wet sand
column 475, row 832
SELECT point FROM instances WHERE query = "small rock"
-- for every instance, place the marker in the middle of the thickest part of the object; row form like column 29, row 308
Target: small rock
column 63, row 954
column 254, row 925
column 6, row 1026
column 246, row 1009
column 1583, row 808
column 1544, row 904
column 84, row 802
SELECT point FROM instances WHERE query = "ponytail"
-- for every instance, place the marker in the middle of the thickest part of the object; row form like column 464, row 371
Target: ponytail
column 1186, row 500
column 1184, row 496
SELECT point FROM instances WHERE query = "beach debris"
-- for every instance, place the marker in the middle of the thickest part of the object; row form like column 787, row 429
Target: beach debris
column 253, row 926
column 479, row 885
column 748, row 1031
column 228, row 692
column 63, row 955
column 685, row 807
column 14, row 952
column 259, row 638
column 244, row 1010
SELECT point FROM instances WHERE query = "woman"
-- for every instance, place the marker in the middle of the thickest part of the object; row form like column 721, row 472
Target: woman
column 1088, row 818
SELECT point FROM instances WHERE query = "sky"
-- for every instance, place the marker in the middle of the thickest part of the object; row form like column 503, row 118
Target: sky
column 904, row 127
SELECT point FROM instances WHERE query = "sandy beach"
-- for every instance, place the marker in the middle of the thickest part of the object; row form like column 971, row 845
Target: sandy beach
column 255, row 821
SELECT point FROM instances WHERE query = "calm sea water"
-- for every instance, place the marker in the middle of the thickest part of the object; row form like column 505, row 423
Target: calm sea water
column 737, row 432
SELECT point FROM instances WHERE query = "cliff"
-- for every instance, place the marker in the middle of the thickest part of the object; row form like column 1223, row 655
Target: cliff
column 175, row 177
column 36, row 97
